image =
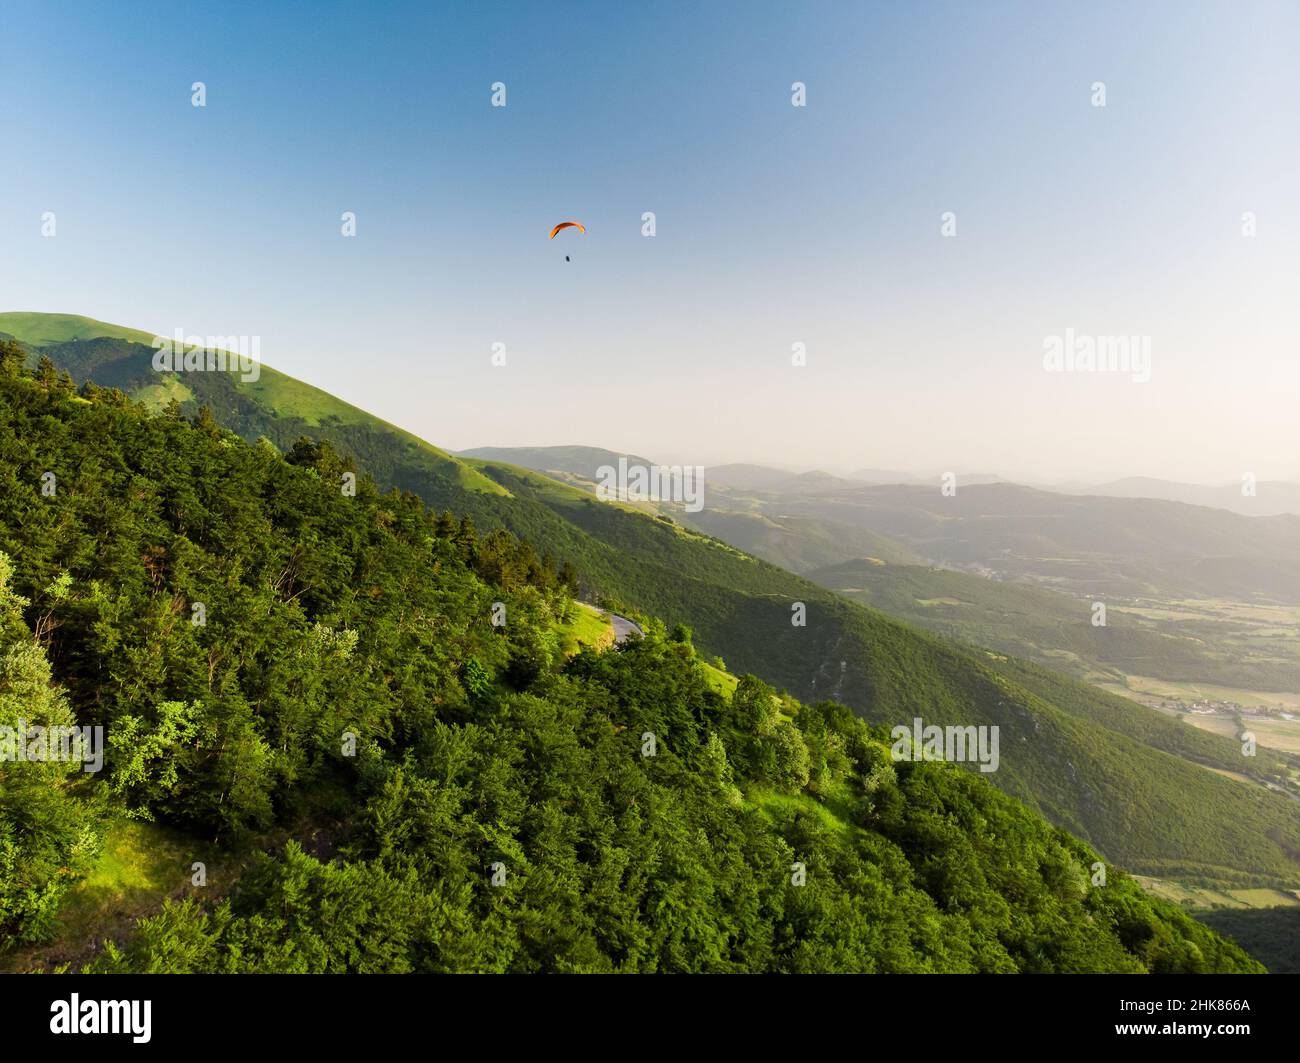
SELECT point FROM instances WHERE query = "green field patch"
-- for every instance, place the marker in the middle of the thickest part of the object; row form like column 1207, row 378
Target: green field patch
column 139, row 865
column 723, row 682
column 778, row 806
column 1189, row 895
column 1265, row 898
column 169, row 387
column 1233, row 775
column 1276, row 734
column 586, row 626
column 138, row 862
column 1169, row 689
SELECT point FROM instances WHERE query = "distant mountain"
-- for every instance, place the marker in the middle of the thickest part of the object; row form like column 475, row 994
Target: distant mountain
column 770, row 478
column 886, row 476
column 1110, row 772
column 748, row 477
column 764, row 480
column 883, row 476
column 791, row 542
column 1090, row 544
column 796, row 543
column 1270, row 497
column 814, row 483
column 576, row 460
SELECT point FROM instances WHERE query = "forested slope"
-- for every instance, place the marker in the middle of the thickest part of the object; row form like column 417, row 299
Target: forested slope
column 1141, row 806
column 498, row 811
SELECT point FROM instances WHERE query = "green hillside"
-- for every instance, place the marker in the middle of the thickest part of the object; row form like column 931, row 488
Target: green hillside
column 397, row 783
column 798, row 543
column 580, row 461
column 789, row 542
column 1143, row 807
column 40, row 330
column 276, row 406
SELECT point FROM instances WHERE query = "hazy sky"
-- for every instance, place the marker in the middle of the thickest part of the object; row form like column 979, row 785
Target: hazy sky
column 775, row 224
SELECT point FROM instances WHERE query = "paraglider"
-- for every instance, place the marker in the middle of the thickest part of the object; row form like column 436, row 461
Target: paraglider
column 568, row 225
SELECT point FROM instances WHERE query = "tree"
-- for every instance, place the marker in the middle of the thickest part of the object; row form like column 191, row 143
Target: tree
column 206, row 422
column 569, row 577
column 12, row 358
column 476, row 680
column 466, row 538
column 48, row 837
column 46, row 373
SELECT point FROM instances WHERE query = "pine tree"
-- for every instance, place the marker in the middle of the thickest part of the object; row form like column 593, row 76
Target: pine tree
column 47, row 836
column 12, row 358
column 466, row 538
column 46, row 373
column 206, row 422
column 569, row 576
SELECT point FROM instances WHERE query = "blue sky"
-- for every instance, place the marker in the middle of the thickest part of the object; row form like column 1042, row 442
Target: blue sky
column 775, row 224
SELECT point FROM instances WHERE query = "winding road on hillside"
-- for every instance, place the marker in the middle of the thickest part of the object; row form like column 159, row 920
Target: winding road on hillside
column 623, row 627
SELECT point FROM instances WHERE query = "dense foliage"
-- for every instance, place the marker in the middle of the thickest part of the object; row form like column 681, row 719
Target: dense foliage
column 491, row 803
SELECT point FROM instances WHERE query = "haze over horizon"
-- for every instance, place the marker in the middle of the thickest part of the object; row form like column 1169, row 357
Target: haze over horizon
column 775, row 224
column 849, row 470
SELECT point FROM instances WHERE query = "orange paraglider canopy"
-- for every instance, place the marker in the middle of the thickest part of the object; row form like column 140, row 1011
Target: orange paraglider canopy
column 566, row 224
